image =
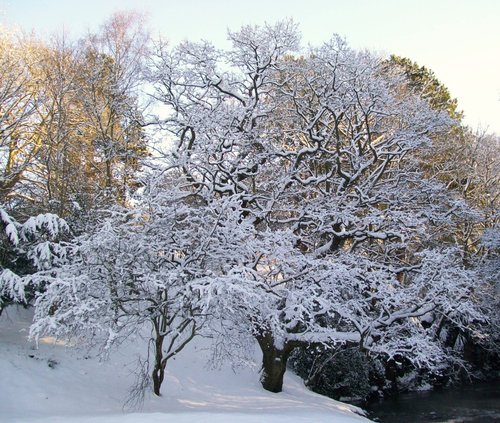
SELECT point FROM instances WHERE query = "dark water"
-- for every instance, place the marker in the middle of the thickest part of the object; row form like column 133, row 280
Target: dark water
column 473, row 403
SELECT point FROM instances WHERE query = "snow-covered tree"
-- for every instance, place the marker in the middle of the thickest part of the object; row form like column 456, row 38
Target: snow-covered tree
column 141, row 267
column 489, row 267
column 318, row 150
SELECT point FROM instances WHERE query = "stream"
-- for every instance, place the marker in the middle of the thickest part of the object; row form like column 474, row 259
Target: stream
column 474, row 403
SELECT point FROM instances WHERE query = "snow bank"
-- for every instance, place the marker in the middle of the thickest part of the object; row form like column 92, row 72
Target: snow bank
column 55, row 383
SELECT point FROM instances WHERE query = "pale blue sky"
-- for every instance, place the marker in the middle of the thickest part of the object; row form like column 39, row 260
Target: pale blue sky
column 458, row 39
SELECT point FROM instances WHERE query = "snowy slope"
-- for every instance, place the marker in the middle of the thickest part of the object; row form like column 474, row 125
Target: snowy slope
column 56, row 384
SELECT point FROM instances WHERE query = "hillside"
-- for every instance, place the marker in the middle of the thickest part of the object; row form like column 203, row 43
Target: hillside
column 56, row 383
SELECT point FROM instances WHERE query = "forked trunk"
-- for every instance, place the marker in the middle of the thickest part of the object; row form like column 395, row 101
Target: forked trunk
column 159, row 366
column 175, row 344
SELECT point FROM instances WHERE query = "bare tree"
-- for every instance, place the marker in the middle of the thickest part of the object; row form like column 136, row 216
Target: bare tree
column 113, row 63
column 19, row 95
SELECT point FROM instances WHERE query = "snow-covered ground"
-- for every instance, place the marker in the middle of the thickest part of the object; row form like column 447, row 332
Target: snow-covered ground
column 55, row 383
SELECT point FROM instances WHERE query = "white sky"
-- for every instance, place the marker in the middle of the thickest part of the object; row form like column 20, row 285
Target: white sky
column 458, row 39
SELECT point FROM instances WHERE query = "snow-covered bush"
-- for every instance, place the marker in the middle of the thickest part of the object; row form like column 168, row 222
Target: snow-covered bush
column 35, row 244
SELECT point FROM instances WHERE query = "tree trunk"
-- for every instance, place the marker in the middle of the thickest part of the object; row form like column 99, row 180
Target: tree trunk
column 273, row 362
column 158, row 370
column 159, row 366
